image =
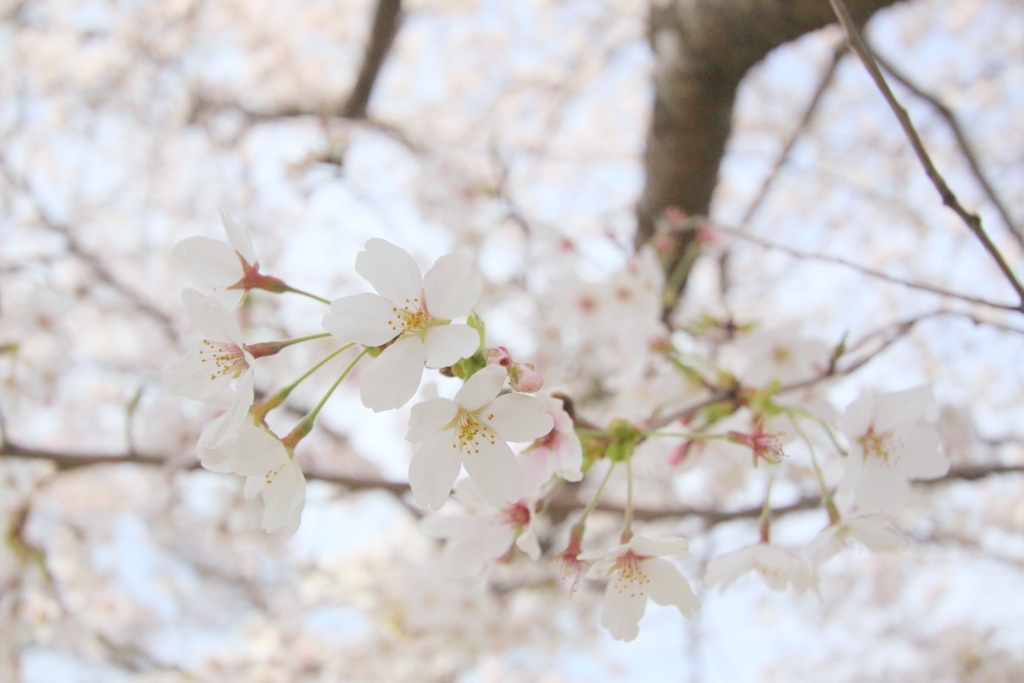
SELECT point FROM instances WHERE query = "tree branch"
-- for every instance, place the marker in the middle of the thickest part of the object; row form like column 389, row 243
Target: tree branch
column 386, row 21
column 966, row 148
column 564, row 502
column 703, row 48
column 971, row 220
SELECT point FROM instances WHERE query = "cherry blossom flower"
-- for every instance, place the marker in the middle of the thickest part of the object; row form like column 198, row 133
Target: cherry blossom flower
column 473, row 430
column 764, row 446
column 269, row 468
column 636, row 572
column 486, row 534
column 888, row 446
column 558, row 452
column 207, row 370
column 778, row 354
column 872, row 531
column 411, row 311
column 226, row 270
column 780, row 568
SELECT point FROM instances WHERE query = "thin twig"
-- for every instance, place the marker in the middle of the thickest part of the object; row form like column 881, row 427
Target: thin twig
column 966, row 148
column 911, row 284
column 971, row 220
column 805, row 120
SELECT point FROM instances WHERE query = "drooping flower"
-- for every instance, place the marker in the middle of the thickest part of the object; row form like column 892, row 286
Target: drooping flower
column 207, row 370
column 763, row 446
column 872, row 531
column 635, row 573
column 558, row 452
column 473, row 430
column 269, row 468
column 780, row 568
column 411, row 311
column 888, row 446
column 485, row 534
column 227, row 270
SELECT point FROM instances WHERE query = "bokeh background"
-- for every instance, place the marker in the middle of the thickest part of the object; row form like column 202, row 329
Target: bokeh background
column 512, row 133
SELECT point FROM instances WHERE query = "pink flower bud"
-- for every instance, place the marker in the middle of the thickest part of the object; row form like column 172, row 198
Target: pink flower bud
column 499, row 355
column 524, row 377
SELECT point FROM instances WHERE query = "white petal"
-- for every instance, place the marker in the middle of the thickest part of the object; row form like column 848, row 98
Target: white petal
column 729, row 567
column 668, row 587
column 254, row 484
column 900, row 408
column 390, row 270
column 292, row 520
column 429, row 418
column 624, row 605
column 214, row 459
column 393, row 377
column 495, row 471
column 238, row 237
column 210, row 261
column 656, row 547
column 226, row 426
column 433, row 470
column 481, row 388
column 528, row 542
column 920, row 457
column 210, row 317
column 879, row 489
column 446, row 344
column 517, row 417
column 874, row 532
column 190, row 376
column 367, row 319
column 256, row 451
column 451, row 287
column 444, row 526
column 463, row 561
column 858, row 416
column 538, row 467
column 613, row 553
column 284, row 491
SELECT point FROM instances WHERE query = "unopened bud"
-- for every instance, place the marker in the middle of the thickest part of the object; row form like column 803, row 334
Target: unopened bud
column 499, row 355
column 526, row 378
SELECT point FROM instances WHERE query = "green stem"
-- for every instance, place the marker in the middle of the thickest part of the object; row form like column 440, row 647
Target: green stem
column 627, row 525
column 305, row 426
column 597, row 495
column 826, row 495
column 693, row 436
column 308, row 294
column 764, row 522
column 260, row 410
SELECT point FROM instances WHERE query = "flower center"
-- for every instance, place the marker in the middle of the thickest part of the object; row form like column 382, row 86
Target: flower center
column 227, row 358
column 409, row 317
column 470, row 433
column 631, row 576
column 877, row 445
column 781, row 355
column 517, row 516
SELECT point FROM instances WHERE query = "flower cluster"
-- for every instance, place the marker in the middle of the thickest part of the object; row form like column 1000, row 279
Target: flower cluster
column 413, row 321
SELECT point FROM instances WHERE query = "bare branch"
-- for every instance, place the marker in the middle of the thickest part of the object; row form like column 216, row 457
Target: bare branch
column 94, row 262
column 911, row 284
column 566, row 501
column 966, row 148
column 805, row 120
column 386, row 21
column 971, row 220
